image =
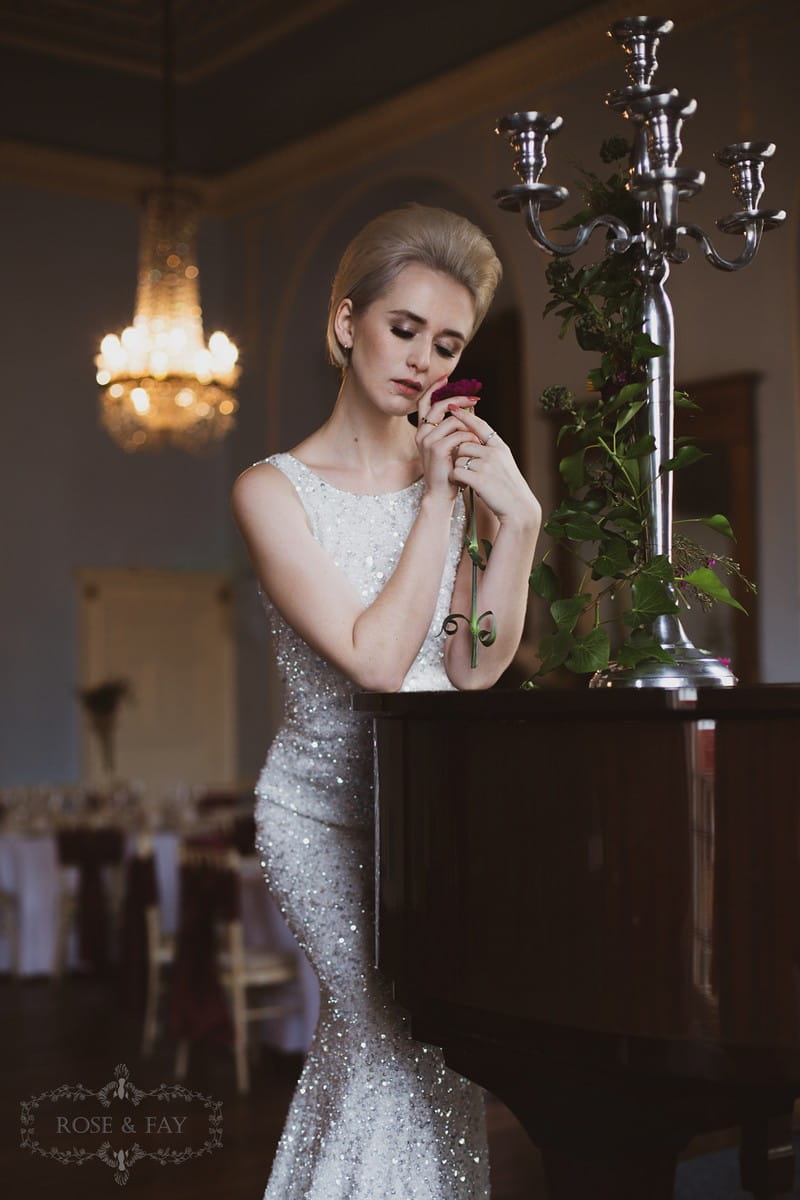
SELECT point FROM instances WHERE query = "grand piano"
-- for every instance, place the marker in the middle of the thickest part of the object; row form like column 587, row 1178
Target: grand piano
column 591, row 901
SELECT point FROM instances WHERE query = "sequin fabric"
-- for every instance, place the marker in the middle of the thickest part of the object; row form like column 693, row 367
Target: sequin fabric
column 376, row 1115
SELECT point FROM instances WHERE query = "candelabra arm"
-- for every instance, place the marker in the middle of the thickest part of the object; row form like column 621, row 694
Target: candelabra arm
column 618, row 244
column 752, row 239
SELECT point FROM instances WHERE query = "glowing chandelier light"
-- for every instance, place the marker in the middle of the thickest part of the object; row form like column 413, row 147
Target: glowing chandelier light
column 161, row 383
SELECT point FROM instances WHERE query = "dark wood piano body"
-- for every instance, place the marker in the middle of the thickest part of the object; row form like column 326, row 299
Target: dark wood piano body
column 591, row 901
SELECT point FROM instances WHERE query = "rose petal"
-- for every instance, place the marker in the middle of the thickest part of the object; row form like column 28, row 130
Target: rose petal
column 458, row 387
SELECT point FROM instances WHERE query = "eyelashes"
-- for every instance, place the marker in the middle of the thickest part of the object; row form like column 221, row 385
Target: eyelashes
column 406, row 334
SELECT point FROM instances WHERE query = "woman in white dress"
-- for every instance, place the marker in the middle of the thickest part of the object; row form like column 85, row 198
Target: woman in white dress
column 357, row 539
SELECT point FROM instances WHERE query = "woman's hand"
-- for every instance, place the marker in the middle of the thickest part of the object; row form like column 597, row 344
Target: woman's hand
column 508, row 515
column 438, row 441
column 483, row 461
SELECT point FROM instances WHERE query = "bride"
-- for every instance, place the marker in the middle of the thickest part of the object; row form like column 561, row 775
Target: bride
column 357, row 538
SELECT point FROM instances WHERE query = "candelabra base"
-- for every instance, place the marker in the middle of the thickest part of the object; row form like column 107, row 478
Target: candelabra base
column 691, row 669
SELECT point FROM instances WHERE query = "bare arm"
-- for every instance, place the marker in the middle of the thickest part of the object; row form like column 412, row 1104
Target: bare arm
column 510, row 516
column 374, row 646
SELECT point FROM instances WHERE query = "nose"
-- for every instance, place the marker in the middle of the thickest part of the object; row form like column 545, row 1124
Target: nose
column 419, row 353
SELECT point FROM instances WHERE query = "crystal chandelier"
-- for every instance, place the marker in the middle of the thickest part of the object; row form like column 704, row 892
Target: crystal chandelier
column 161, row 384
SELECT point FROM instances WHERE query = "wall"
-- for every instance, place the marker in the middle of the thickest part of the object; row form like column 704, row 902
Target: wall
column 68, row 495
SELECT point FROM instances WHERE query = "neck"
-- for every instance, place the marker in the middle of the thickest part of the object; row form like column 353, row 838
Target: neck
column 364, row 438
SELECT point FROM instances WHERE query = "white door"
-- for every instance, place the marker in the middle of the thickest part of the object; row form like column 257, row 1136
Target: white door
column 169, row 634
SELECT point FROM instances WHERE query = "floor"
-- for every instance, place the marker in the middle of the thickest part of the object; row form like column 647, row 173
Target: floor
column 76, row 1032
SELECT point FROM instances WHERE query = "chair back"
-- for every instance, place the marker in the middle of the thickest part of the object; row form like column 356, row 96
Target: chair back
column 91, row 850
column 209, row 899
column 139, row 929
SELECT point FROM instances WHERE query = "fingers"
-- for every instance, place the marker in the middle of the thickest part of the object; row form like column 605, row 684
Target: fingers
column 424, row 404
column 467, row 459
column 482, row 429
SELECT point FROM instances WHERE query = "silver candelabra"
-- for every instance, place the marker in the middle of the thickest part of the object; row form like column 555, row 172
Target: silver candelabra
column 658, row 184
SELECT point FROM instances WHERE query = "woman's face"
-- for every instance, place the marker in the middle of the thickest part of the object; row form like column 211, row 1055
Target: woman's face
column 407, row 339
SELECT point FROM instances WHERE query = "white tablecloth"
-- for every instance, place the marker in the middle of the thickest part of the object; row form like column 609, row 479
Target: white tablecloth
column 29, row 870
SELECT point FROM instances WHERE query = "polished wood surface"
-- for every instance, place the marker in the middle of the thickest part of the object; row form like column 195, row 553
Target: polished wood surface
column 597, row 893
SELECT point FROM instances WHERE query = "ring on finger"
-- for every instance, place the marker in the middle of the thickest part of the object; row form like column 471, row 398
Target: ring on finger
column 435, row 424
column 468, row 464
column 492, row 433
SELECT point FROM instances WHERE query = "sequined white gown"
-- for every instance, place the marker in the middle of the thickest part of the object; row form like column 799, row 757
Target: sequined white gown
column 376, row 1115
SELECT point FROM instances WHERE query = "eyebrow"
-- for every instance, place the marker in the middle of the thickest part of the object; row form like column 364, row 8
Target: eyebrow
column 404, row 312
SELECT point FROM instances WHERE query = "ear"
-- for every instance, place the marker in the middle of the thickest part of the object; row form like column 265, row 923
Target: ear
column 343, row 323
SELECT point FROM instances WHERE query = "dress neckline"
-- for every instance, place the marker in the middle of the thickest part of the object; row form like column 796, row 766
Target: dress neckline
column 345, row 492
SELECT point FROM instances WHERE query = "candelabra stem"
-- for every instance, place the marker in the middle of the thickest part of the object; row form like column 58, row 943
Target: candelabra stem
column 692, row 667
column 659, row 326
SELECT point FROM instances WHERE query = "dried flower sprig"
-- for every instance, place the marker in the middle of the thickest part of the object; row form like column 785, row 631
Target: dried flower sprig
column 101, row 703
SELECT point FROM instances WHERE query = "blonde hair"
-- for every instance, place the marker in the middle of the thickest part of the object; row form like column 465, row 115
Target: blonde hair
column 432, row 237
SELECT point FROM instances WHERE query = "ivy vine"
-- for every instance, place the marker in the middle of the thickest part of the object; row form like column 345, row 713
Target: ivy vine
column 603, row 521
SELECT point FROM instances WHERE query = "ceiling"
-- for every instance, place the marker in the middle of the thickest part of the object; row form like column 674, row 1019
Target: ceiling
column 253, row 76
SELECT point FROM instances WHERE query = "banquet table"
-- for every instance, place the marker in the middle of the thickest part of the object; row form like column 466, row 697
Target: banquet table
column 29, row 871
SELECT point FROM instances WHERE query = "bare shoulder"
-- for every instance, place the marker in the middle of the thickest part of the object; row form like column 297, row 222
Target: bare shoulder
column 255, row 483
column 264, row 489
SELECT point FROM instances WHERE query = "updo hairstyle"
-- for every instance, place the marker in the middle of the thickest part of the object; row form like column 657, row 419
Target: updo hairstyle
column 432, row 237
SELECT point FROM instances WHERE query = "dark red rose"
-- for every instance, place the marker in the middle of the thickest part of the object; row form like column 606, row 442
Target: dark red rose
column 458, row 387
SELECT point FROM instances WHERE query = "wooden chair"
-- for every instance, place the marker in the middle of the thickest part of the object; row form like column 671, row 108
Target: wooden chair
column 160, row 955
column 146, row 950
column 239, row 970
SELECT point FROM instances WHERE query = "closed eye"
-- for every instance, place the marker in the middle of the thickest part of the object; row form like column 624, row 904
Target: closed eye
column 406, row 334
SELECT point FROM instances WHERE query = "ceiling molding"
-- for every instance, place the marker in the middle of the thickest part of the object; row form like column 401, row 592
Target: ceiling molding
column 296, row 17
column 551, row 57
column 86, row 174
column 128, row 37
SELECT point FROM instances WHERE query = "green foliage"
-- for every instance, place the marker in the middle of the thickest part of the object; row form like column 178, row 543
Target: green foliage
column 603, row 521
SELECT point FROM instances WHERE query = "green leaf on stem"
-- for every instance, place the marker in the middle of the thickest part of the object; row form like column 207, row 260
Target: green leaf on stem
column 544, row 581
column 684, row 458
column 553, row 651
column 651, row 599
column 579, row 527
column 628, row 415
column 643, row 349
column 640, row 648
column 613, row 558
column 571, row 469
column 720, row 523
column 638, row 449
column 590, row 653
column 565, row 613
column 659, row 568
column 626, row 395
column 704, row 580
